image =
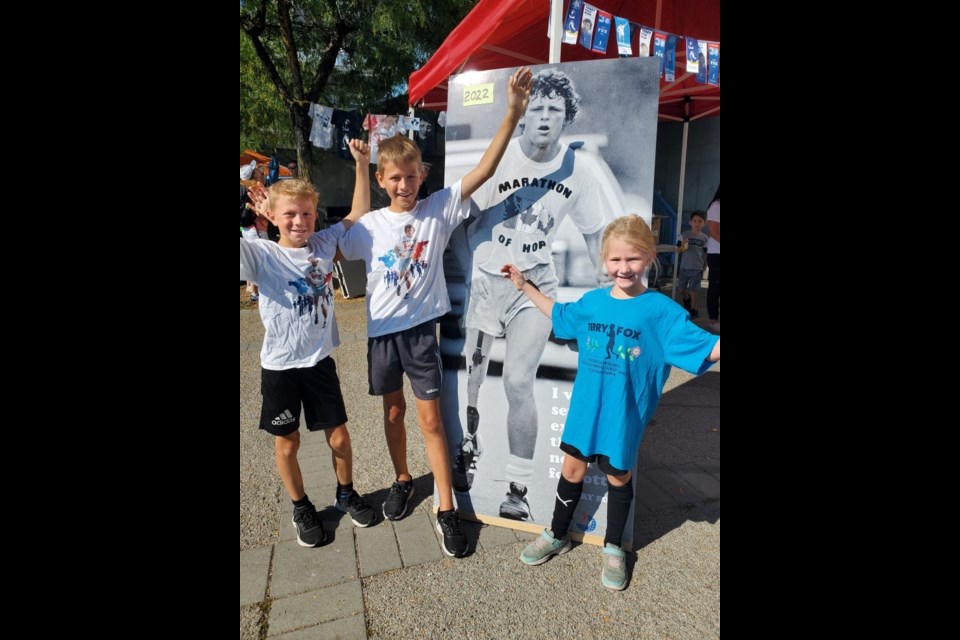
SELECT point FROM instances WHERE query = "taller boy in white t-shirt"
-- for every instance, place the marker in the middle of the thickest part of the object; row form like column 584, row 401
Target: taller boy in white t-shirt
column 406, row 293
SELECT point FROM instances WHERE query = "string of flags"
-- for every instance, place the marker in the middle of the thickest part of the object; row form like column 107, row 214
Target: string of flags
column 589, row 27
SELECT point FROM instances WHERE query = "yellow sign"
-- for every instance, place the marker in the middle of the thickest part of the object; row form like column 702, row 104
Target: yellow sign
column 478, row 94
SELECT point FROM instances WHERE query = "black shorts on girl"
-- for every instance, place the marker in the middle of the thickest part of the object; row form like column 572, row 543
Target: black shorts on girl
column 602, row 461
column 317, row 388
column 413, row 351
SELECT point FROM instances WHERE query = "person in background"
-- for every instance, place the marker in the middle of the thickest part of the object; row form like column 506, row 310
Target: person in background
column 713, row 261
column 252, row 232
column 693, row 247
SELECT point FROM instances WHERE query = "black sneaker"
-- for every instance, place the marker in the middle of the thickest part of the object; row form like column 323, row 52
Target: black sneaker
column 452, row 540
column 360, row 512
column 309, row 527
column 694, row 314
column 686, row 303
column 516, row 507
column 395, row 506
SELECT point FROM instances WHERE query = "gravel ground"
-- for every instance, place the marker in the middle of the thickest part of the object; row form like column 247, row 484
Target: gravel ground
column 674, row 591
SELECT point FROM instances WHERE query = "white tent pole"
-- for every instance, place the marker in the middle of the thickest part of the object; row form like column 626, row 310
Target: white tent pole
column 676, row 232
column 556, row 29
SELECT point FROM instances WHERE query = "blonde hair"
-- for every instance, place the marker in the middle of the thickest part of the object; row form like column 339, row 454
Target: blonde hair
column 633, row 230
column 295, row 189
column 397, row 149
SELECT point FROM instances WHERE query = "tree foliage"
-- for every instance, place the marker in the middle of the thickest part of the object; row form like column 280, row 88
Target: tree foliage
column 264, row 120
column 351, row 54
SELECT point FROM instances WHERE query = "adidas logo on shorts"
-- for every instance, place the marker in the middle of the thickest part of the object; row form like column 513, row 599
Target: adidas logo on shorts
column 284, row 418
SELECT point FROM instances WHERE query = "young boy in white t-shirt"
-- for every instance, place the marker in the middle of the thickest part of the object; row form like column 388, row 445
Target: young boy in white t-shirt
column 296, row 306
column 406, row 293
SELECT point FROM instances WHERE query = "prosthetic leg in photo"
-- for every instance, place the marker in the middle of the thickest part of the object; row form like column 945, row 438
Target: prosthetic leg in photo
column 519, row 470
column 471, row 447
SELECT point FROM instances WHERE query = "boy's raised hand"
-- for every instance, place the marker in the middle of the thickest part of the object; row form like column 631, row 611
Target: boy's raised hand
column 360, row 150
column 259, row 199
column 518, row 90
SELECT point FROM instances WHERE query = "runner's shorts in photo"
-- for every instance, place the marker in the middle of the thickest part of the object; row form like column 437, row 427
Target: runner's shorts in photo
column 495, row 301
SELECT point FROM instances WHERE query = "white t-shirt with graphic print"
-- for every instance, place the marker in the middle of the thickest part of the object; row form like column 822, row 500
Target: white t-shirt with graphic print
column 406, row 286
column 296, row 298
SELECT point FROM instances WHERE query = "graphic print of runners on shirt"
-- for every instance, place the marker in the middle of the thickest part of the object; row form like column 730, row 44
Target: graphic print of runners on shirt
column 315, row 292
column 404, row 261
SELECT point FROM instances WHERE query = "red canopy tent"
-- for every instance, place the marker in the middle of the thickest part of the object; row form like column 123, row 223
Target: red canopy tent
column 507, row 33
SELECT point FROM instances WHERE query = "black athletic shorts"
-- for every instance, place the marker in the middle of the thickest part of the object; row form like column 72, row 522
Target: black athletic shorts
column 317, row 388
column 602, row 461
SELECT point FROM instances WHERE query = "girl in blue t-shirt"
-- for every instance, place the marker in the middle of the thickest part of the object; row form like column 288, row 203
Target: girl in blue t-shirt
column 618, row 388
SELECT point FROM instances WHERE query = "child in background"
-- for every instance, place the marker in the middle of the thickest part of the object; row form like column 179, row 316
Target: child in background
column 614, row 399
column 693, row 247
column 252, row 232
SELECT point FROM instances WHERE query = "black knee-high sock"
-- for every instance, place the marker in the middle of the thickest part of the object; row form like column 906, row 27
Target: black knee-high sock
column 618, row 506
column 568, row 495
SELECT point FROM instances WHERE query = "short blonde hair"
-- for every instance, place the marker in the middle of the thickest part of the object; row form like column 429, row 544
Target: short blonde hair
column 633, row 230
column 397, row 149
column 295, row 189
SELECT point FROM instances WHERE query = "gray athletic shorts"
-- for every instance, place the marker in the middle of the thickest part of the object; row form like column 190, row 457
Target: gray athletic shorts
column 494, row 301
column 689, row 279
column 413, row 351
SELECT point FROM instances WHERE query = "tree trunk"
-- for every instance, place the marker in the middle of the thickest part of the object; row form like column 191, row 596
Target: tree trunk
column 301, row 133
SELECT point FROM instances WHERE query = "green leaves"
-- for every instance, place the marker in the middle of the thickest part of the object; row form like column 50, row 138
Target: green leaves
column 350, row 54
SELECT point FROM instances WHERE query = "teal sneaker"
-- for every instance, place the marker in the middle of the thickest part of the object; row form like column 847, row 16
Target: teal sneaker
column 614, row 567
column 540, row 550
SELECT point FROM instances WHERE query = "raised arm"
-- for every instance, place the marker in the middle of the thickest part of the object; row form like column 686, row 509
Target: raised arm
column 518, row 95
column 543, row 303
column 360, row 151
